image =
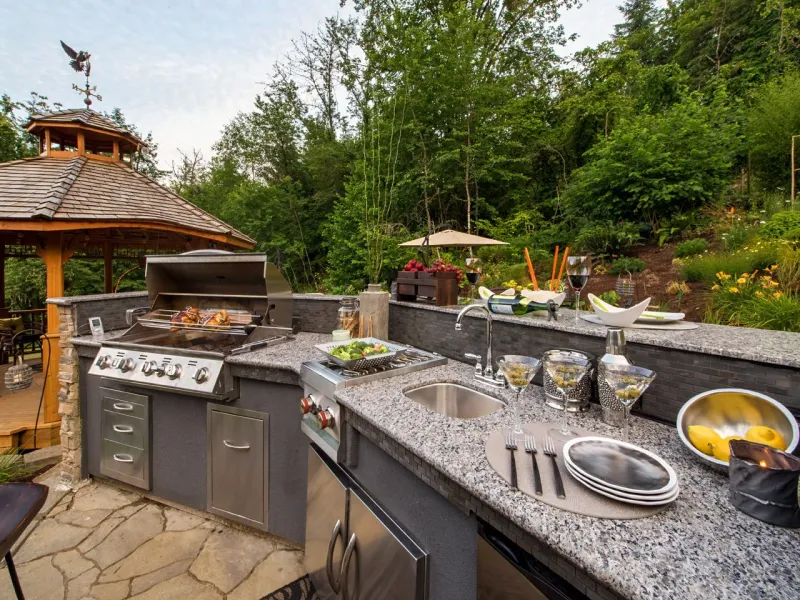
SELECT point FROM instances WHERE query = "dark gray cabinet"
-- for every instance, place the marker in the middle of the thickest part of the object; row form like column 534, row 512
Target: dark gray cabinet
column 125, row 437
column 238, row 462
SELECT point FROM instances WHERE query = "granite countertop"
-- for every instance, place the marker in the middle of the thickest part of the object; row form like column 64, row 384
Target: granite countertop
column 700, row 546
column 758, row 345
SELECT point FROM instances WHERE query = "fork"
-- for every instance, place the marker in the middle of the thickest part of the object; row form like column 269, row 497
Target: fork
column 550, row 450
column 511, row 446
column 530, row 448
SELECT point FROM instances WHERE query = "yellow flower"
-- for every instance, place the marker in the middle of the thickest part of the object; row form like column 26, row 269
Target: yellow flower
column 774, row 284
column 723, row 275
column 734, row 290
column 715, row 287
column 773, row 268
column 741, row 280
column 778, row 294
column 759, row 293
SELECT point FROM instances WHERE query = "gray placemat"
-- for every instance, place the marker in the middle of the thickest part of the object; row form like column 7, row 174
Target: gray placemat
column 579, row 499
column 674, row 326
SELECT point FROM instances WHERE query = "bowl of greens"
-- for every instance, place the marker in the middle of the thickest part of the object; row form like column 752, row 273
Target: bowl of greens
column 360, row 353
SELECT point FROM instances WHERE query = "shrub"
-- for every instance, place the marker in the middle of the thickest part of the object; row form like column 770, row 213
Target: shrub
column 706, row 266
column 691, row 247
column 626, row 264
column 782, row 225
column 12, row 467
column 737, row 237
column 606, row 239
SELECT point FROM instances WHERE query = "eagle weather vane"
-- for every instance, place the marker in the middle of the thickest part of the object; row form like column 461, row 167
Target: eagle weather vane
column 80, row 61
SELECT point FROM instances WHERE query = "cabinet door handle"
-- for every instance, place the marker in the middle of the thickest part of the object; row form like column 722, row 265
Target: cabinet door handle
column 125, row 407
column 123, row 458
column 235, row 447
column 343, row 576
column 122, row 428
column 335, row 534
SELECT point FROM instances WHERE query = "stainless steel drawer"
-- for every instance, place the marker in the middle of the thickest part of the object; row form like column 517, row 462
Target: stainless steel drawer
column 127, row 464
column 123, row 429
column 133, row 405
column 238, row 464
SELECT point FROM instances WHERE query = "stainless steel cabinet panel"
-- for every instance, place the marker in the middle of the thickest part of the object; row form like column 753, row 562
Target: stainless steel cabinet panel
column 125, row 463
column 126, row 403
column 238, row 463
column 381, row 562
column 326, row 527
column 123, row 429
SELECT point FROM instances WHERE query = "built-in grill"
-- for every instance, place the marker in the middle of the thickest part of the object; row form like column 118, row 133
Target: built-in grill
column 204, row 306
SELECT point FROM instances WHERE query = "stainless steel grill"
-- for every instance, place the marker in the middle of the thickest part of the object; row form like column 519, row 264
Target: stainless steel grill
column 204, row 306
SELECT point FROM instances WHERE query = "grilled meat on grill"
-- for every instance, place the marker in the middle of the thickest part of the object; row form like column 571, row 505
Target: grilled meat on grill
column 221, row 319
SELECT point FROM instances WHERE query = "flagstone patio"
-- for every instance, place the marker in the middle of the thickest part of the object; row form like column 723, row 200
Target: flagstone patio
column 103, row 543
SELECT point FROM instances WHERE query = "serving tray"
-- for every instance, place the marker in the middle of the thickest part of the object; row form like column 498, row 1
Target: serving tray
column 358, row 364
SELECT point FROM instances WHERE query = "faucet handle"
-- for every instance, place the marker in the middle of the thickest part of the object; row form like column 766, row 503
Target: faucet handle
column 477, row 359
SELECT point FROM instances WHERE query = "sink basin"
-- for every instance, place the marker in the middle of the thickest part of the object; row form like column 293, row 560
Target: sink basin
column 453, row 400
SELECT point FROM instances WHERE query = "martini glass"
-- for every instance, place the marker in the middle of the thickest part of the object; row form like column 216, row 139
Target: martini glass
column 518, row 371
column 628, row 383
column 578, row 270
column 566, row 372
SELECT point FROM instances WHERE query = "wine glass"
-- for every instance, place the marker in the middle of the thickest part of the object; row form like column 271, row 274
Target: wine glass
column 578, row 270
column 628, row 383
column 473, row 273
column 518, row 371
column 566, row 372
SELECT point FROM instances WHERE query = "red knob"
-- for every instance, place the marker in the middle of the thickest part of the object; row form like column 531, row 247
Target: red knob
column 324, row 419
column 306, row 404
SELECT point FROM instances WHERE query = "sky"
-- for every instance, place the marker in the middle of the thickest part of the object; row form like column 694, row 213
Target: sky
column 180, row 68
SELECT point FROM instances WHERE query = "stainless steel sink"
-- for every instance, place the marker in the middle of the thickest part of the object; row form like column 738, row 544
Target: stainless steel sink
column 453, row 400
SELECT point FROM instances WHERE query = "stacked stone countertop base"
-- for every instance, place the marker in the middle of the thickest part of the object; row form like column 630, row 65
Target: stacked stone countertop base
column 700, row 547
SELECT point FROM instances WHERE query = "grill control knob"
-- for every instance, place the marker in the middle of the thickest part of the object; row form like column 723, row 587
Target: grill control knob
column 325, row 419
column 174, row 371
column 104, row 361
column 149, row 367
column 308, row 405
column 126, row 364
column 201, row 374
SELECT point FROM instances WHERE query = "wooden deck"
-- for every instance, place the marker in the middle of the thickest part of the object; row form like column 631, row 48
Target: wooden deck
column 18, row 416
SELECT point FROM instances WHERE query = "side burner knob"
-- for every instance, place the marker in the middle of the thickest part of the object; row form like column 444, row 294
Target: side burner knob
column 174, row 371
column 104, row 361
column 149, row 367
column 307, row 405
column 126, row 365
column 201, row 374
column 325, row 419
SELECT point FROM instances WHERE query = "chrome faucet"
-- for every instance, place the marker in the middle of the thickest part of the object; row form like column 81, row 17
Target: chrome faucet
column 484, row 374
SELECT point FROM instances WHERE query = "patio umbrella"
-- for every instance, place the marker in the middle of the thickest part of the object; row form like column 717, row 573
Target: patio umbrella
column 452, row 239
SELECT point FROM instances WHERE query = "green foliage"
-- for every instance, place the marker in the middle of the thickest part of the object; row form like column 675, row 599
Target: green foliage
column 754, row 300
column 654, row 166
column 12, row 467
column 607, row 239
column 611, row 297
column 706, row 266
column 737, row 236
column 781, row 225
column 691, row 247
column 626, row 264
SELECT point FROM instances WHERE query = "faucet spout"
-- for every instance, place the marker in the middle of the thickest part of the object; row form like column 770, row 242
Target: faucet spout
column 489, row 370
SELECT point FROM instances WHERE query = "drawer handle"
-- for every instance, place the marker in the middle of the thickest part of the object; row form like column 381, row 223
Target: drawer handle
column 344, row 575
column 124, row 407
column 122, row 428
column 335, row 535
column 123, row 458
column 235, row 447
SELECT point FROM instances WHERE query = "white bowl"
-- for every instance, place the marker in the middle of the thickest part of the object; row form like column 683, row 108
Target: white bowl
column 543, row 296
column 619, row 318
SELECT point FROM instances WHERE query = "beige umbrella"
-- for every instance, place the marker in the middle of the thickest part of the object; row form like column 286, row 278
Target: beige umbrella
column 453, row 239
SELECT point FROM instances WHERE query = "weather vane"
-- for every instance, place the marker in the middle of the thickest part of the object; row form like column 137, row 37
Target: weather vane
column 81, row 63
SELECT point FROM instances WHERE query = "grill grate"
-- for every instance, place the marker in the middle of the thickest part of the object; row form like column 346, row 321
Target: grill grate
column 163, row 318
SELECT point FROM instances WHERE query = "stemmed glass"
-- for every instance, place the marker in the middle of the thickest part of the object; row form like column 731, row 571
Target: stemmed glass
column 566, row 372
column 518, row 371
column 473, row 273
column 628, row 383
column 578, row 270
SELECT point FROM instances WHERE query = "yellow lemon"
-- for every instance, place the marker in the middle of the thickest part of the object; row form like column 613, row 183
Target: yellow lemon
column 765, row 435
column 704, row 438
column 722, row 450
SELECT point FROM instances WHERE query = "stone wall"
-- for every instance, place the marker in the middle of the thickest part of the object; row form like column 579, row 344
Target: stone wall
column 69, row 408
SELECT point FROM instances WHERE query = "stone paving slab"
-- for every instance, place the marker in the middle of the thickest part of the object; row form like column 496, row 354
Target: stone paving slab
column 104, row 543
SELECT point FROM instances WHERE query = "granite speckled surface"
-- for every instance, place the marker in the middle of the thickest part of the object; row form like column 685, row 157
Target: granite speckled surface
column 760, row 345
column 700, row 547
column 94, row 342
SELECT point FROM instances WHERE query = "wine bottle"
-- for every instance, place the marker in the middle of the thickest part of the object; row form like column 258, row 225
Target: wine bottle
column 514, row 305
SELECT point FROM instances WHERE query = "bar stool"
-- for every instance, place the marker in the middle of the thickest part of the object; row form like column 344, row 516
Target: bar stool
column 19, row 505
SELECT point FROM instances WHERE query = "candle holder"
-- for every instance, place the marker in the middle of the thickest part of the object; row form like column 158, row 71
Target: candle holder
column 764, row 483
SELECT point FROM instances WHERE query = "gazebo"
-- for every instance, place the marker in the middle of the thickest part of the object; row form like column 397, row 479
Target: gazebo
column 80, row 198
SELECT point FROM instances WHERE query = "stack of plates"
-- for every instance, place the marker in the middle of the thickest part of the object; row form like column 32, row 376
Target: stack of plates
column 621, row 471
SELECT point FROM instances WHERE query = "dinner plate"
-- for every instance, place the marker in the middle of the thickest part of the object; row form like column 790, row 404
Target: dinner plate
column 641, row 501
column 619, row 465
column 651, row 316
column 671, row 494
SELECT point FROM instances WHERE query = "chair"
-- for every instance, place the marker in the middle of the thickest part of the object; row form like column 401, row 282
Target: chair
column 19, row 505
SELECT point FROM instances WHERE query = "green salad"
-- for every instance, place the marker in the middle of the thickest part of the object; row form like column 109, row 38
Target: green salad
column 355, row 350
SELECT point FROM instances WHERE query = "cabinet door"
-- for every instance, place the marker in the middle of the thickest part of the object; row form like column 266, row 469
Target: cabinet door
column 326, row 526
column 237, row 478
column 381, row 561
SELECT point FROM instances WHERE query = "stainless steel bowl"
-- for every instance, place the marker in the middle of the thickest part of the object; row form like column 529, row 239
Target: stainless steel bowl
column 732, row 412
